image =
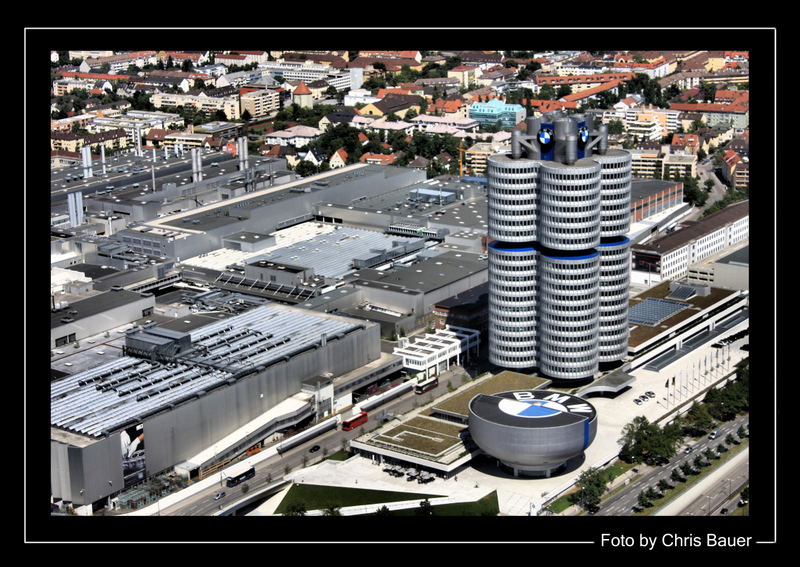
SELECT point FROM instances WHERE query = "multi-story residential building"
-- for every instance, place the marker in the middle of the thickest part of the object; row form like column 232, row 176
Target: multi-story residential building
column 647, row 122
column 120, row 63
column 67, row 141
column 654, row 69
column 229, row 104
column 466, row 74
column 682, row 165
column 559, row 260
column 738, row 114
column 646, row 163
column 578, row 83
column 260, row 102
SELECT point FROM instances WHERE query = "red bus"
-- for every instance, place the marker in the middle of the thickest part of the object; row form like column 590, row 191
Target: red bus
column 426, row 385
column 355, row 421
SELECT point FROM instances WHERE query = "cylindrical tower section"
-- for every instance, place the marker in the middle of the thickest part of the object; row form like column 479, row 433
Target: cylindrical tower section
column 512, row 196
column 569, row 315
column 512, row 305
column 569, row 205
column 615, row 267
column 615, row 216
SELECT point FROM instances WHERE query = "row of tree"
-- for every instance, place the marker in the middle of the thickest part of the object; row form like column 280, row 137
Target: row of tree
column 648, row 443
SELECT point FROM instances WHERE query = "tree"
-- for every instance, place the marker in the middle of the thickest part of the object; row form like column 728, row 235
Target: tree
column 295, row 510
column 741, row 433
column 698, row 418
column 645, row 442
column 332, row 510
column 592, row 484
column 425, row 509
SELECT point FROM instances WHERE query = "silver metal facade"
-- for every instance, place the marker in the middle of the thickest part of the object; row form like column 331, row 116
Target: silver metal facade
column 525, row 446
column 615, row 268
column 86, row 464
column 569, row 315
column 559, row 262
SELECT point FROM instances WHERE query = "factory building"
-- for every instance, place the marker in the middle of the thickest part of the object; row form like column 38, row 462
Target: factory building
column 171, row 395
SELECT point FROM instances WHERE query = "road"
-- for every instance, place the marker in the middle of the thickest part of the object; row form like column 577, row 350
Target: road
column 625, row 501
column 203, row 503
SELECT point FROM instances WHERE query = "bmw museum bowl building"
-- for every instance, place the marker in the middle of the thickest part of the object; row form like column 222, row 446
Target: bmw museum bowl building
column 532, row 432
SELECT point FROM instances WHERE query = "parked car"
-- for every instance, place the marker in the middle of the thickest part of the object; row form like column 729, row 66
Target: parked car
column 644, row 398
column 637, row 401
column 650, row 394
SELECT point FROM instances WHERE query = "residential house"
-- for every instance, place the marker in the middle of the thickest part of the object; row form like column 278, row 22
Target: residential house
column 429, row 123
column 741, row 144
column 585, row 95
column 201, row 102
column 257, row 56
column 178, row 57
column 384, row 127
column 288, row 153
column 338, row 159
column 496, row 74
column 297, row 136
column 230, row 59
column 343, row 115
column 397, row 104
column 315, row 156
column 155, row 136
column 419, row 163
column 454, row 107
column 120, row 63
column 688, row 143
column 381, row 159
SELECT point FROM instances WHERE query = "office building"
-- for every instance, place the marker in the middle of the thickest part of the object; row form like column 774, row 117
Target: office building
column 559, row 260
